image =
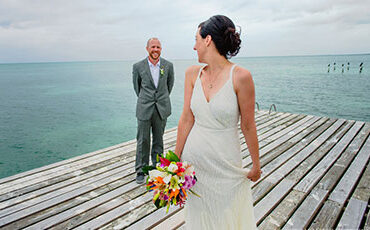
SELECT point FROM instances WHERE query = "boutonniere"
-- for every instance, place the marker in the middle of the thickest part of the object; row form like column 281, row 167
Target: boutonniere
column 161, row 70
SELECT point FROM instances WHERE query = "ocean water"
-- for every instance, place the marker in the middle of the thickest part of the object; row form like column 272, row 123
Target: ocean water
column 54, row 111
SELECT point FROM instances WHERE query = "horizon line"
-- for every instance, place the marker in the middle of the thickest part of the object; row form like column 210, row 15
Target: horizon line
column 262, row 56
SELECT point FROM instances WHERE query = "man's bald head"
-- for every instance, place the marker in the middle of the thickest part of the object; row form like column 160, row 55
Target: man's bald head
column 151, row 39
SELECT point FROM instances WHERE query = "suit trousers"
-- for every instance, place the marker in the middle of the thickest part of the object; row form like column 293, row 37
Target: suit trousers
column 157, row 125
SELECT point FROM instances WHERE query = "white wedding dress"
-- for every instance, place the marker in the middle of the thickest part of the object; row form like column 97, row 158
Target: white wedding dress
column 213, row 148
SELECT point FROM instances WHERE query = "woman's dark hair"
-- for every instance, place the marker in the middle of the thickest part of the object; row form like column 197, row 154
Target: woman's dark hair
column 223, row 33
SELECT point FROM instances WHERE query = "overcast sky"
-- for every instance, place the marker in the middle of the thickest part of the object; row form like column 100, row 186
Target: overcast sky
column 103, row 30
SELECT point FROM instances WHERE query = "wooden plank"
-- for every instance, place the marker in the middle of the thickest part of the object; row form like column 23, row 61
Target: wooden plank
column 285, row 209
column 59, row 188
column 307, row 210
column 348, row 181
column 277, row 140
column 353, row 214
column 280, row 125
column 263, row 207
column 66, row 192
column 327, row 215
column 306, row 161
column 105, row 202
column 59, row 199
column 173, row 220
column 306, row 184
column 158, row 217
column 331, row 210
column 279, row 129
column 272, row 123
column 121, row 211
column 319, row 152
column 299, row 142
column 278, row 217
column 362, row 191
column 181, row 226
column 264, row 186
column 98, row 210
column 367, row 223
column 282, row 144
column 58, row 172
column 298, row 159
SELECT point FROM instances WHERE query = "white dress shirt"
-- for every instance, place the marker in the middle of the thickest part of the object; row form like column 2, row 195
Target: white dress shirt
column 154, row 70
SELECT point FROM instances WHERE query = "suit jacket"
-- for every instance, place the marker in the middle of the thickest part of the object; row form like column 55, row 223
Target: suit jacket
column 148, row 96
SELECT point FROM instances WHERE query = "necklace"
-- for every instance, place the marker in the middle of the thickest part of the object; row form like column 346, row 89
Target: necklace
column 210, row 85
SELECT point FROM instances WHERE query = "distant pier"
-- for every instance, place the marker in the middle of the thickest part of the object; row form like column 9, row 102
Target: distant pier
column 316, row 174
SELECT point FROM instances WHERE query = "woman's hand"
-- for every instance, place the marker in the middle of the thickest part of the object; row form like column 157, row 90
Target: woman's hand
column 254, row 174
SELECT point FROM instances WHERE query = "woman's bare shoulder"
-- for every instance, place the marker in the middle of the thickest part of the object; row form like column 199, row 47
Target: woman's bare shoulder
column 194, row 69
column 242, row 75
column 242, row 78
column 192, row 72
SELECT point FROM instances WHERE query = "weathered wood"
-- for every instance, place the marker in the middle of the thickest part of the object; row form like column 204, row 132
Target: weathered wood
column 299, row 142
column 66, row 185
column 272, row 199
column 275, row 148
column 276, row 140
column 303, row 215
column 324, row 219
column 278, row 217
column 367, row 222
column 327, row 216
column 171, row 221
column 98, row 190
column 121, row 211
column 64, row 191
column 159, row 218
column 315, row 174
column 107, row 201
column 348, row 181
column 298, row 159
column 353, row 214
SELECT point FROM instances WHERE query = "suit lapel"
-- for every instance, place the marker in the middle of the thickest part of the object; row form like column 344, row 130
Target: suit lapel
column 147, row 70
column 161, row 66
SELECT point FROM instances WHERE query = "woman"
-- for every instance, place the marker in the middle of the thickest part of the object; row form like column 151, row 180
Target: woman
column 216, row 95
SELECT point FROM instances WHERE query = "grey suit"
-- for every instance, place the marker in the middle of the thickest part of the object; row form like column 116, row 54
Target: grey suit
column 152, row 108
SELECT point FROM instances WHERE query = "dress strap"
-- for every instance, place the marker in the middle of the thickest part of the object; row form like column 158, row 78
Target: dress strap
column 231, row 71
column 200, row 70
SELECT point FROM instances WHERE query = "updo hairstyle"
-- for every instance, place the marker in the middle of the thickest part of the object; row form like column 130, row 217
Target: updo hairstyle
column 223, row 33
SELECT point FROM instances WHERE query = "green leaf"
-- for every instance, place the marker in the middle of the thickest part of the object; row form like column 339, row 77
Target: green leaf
column 147, row 168
column 171, row 156
column 156, row 203
column 168, row 206
column 194, row 193
column 162, row 203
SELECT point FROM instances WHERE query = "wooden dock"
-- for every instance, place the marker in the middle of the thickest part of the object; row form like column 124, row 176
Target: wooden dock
column 316, row 174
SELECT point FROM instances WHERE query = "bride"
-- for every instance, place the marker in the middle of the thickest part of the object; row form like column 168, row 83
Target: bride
column 216, row 95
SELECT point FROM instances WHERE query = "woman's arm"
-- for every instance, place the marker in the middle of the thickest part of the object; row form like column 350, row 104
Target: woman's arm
column 244, row 88
column 186, row 121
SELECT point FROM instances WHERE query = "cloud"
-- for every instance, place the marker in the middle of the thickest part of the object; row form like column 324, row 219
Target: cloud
column 116, row 30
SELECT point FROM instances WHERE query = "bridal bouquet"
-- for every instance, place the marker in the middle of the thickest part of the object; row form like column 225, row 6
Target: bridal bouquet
column 170, row 180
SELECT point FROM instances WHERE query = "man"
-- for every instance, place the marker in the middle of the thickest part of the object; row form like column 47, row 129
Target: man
column 153, row 80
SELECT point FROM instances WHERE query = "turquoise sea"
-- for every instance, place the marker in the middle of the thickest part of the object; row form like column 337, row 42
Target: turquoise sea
column 54, row 111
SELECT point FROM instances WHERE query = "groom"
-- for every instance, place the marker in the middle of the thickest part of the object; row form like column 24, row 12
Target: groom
column 153, row 80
